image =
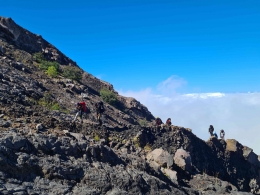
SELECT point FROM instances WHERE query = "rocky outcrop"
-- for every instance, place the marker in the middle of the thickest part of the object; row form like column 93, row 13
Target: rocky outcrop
column 29, row 42
column 163, row 158
column 183, row 160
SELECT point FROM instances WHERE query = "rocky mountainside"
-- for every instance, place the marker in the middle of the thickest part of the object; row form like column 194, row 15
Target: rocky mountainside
column 42, row 152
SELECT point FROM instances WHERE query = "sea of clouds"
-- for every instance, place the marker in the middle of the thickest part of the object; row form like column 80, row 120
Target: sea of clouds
column 236, row 113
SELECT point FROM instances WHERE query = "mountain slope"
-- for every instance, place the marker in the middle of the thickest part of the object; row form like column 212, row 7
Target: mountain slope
column 42, row 152
column 20, row 45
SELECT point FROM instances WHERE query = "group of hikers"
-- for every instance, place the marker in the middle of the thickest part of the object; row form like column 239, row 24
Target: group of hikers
column 82, row 109
column 221, row 134
column 159, row 123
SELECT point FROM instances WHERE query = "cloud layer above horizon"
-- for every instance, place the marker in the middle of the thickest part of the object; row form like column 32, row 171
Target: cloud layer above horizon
column 236, row 113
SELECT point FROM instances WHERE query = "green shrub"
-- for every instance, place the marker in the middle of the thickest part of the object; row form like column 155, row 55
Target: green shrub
column 96, row 138
column 47, row 97
column 55, row 106
column 44, row 65
column 109, row 97
column 52, row 71
column 147, row 148
column 72, row 73
column 143, row 122
column 49, row 102
column 38, row 57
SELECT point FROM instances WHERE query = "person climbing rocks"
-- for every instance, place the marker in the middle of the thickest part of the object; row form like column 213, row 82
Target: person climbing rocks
column 211, row 129
column 99, row 111
column 81, row 109
column 169, row 122
column 222, row 134
column 215, row 134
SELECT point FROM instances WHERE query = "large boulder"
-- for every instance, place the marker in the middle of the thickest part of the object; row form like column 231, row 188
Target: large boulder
column 182, row 159
column 170, row 174
column 231, row 145
column 163, row 158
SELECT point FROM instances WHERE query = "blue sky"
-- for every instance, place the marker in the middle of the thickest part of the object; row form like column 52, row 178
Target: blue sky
column 193, row 61
column 213, row 45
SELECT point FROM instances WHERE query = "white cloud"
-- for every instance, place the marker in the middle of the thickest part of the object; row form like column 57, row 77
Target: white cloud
column 169, row 86
column 236, row 113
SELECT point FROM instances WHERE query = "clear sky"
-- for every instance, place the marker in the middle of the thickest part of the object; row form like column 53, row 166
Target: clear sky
column 159, row 51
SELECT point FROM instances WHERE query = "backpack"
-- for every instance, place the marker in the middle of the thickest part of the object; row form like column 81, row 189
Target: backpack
column 83, row 105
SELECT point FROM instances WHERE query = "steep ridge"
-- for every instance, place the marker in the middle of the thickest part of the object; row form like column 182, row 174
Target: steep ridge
column 42, row 152
column 18, row 47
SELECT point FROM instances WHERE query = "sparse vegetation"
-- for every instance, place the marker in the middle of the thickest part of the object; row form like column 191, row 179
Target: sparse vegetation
column 136, row 142
column 137, row 145
column 48, row 102
column 51, row 68
column 52, row 71
column 96, row 138
column 147, row 148
column 38, row 57
column 44, row 65
column 72, row 73
column 55, row 106
column 143, row 122
column 109, row 97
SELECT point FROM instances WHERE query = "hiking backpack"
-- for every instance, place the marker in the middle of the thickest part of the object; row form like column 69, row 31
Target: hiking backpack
column 83, row 105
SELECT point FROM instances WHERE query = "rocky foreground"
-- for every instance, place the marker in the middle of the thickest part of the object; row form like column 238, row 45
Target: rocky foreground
column 42, row 152
column 140, row 160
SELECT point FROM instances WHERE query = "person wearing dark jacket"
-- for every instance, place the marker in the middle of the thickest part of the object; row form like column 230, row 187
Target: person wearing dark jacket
column 169, row 122
column 158, row 121
column 211, row 129
column 99, row 110
column 222, row 134
column 81, row 108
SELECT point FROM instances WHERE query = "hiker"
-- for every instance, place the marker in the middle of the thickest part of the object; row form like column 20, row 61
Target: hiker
column 215, row 135
column 81, row 108
column 211, row 129
column 99, row 110
column 169, row 122
column 222, row 134
column 158, row 121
